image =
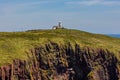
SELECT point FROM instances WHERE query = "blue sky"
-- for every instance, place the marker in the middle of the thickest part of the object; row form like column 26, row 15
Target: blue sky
column 96, row 16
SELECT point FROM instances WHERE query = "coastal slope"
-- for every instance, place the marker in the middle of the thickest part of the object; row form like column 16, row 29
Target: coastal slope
column 62, row 54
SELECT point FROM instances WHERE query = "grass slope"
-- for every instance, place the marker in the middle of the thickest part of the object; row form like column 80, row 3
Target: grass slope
column 15, row 44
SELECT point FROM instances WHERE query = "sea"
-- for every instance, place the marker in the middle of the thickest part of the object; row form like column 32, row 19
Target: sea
column 114, row 35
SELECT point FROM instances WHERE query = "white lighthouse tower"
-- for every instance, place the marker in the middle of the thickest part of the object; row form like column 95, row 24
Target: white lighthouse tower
column 60, row 24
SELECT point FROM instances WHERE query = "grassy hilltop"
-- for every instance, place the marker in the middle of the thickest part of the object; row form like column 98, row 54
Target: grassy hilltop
column 15, row 44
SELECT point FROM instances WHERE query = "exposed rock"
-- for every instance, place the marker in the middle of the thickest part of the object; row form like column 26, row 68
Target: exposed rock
column 63, row 62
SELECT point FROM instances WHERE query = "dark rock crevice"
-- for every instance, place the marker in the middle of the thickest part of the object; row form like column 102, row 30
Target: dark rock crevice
column 63, row 62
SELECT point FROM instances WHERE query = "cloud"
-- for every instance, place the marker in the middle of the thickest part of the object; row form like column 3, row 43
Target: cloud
column 94, row 2
column 12, row 8
column 34, row 3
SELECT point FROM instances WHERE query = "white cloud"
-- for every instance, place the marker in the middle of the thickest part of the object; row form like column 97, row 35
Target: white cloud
column 12, row 8
column 94, row 2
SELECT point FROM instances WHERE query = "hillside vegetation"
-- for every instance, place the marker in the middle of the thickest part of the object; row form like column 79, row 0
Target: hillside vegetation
column 15, row 45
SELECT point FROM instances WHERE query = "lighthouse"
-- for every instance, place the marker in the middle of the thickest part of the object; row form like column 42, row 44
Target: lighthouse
column 59, row 26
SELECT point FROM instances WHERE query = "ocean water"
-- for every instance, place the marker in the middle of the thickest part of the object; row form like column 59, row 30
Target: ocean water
column 114, row 35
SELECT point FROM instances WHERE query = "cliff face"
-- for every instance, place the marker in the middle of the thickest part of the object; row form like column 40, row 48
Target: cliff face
column 63, row 62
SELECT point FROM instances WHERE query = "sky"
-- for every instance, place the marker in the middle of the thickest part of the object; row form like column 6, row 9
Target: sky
column 96, row 16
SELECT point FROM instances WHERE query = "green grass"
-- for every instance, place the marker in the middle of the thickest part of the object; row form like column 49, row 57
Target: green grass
column 15, row 44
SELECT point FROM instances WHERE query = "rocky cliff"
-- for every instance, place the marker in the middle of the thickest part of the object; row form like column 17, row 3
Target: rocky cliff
column 63, row 62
